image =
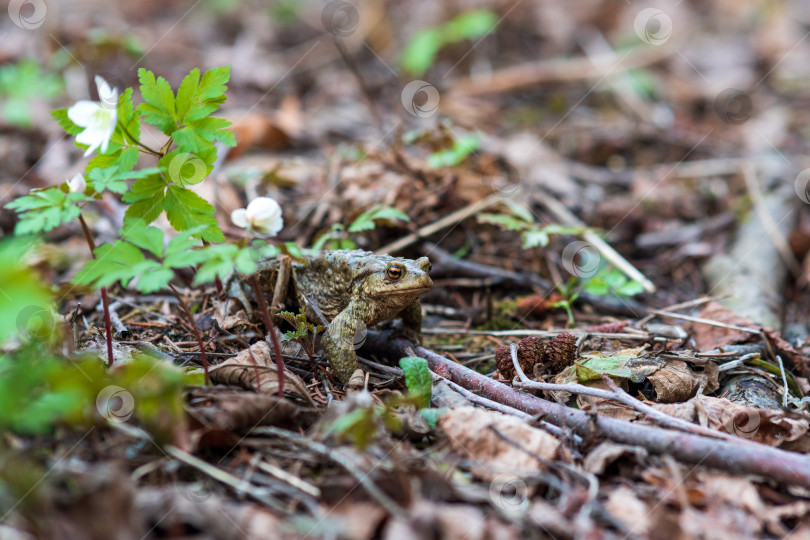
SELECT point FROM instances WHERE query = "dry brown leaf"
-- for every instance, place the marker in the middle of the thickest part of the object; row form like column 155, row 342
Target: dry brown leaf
column 767, row 426
column 631, row 511
column 255, row 369
column 470, row 435
column 606, row 453
column 236, row 410
column 427, row 519
column 708, row 337
column 675, row 382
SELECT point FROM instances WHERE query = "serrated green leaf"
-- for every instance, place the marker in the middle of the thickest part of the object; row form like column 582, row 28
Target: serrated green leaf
column 113, row 179
column 211, row 93
column 418, row 378
column 199, row 135
column 113, row 263
column 101, row 161
column 146, row 198
column 148, row 238
column 510, row 223
column 128, row 158
column 61, row 117
column 366, row 220
column 218, row 263
column 154, row 280
column 128, row 115
column 185, row 168
column 158, row 108
column 244, row 262
column 180, row 252
column 44, row 209
column 185, row 210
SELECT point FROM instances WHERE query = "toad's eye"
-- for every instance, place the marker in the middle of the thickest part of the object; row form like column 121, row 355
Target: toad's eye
column 394, row 272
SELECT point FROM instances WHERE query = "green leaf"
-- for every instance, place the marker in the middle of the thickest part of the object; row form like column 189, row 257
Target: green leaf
column 462, row 147
column 113, row 179
column 154, row 279
column 185, row 210
column 197, row 98
column 44, row 209
column 470, row 25
column 158, row 108
column 432, row 415
column 421, row 51
column 200, row 135
column 118, row 262
column 360, row 426
column 366, row 220
column 631, row 288
column 146, row 198
column 128, row 116
column 596, row 286
column 219, row 263
column 180, row 252
column 418, row 378
column 25, row 300
column 148, row 238
column 185, row 169
column 61, row 117
column 504, row 221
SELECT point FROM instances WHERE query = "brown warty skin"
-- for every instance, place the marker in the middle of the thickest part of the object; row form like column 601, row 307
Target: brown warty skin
column 354, row 290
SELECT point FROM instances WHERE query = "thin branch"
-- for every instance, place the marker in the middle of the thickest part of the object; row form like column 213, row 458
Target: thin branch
column 228, row 479
column 105, row 302
column 271, row 332
column 194, row 329
column 752, row 458
column 615, row 394
column 139, row 143
column 338, row 457
column 701, row 320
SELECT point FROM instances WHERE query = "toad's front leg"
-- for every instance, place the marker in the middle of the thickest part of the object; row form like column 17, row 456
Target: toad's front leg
column 339, row 343
column 412, row 322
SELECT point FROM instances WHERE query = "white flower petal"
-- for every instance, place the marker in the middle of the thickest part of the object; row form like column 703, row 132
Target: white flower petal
column 239, row 218
column 77, row 184
column 81, row 113
column 107, row 95
column 264, row 215
column 98, row 122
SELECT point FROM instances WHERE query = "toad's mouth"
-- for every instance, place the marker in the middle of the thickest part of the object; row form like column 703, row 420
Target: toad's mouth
column 409, row 290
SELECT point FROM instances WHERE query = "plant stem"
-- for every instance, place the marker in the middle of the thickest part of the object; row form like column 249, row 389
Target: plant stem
column 271, row 331
column 194, row 329
column 105, row 303
column 139, row 143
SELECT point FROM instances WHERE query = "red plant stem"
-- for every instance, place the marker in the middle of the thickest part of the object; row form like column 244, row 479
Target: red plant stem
column 271, row 331
column 194, row 329
column 756, row 459
column 105, row 303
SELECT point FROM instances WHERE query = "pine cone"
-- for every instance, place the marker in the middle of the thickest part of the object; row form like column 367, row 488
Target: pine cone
column 561, row 352
column 503, row 359
column 530, row 352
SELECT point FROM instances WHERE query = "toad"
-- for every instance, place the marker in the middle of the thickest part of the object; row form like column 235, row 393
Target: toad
column 353, row 290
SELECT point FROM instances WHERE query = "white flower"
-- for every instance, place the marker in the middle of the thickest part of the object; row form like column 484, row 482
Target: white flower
column 262, row 216
column 97, row 118
column 76, row 184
